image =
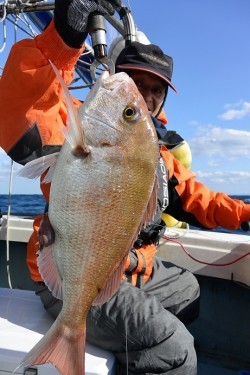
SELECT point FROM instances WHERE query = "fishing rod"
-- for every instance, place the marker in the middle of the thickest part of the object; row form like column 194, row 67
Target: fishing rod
column 97, row 58
column 126, row 28
column 19, row 6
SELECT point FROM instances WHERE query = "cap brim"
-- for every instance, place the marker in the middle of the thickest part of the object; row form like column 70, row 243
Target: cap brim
column 152, row 71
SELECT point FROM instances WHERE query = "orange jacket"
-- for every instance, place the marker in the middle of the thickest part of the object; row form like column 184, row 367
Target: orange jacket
column 33, row 113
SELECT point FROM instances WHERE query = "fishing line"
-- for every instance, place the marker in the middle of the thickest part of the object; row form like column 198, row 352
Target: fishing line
column 90, row 51
column 81, row 86
column 8, row 215
column 203, row 262
column 20, row 27
column 129, row 6
column 25, row 20
column 126, row 337
column 7, row 227
column 178, row 235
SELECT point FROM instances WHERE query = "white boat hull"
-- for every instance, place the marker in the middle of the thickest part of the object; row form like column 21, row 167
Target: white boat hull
column 222, row 330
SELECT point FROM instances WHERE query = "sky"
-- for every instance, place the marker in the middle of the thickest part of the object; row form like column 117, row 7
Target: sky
column 209, row 41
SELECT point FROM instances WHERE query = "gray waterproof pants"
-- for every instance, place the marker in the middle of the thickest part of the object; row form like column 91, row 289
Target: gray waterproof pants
column 143, row 327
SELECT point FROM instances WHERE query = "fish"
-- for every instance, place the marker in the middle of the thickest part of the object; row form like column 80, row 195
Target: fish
column 103, row 191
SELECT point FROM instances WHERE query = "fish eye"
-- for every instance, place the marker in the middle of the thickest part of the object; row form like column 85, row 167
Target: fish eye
column 130, row 113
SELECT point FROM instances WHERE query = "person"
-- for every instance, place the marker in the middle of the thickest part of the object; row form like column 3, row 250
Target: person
column 143, row 324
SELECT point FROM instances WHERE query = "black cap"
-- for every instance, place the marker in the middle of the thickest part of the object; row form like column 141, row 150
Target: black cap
column 146, row 57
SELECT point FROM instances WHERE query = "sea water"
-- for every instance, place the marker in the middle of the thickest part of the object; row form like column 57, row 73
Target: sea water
column 34, row 204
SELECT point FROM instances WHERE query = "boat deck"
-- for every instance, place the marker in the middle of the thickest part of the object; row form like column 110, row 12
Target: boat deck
column 222, row 331
column 206, row 369
column 23, row 322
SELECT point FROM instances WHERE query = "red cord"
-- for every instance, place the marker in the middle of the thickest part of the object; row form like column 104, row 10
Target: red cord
column 200, row 261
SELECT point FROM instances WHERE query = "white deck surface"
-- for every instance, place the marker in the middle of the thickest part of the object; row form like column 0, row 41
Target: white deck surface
column 23, row 322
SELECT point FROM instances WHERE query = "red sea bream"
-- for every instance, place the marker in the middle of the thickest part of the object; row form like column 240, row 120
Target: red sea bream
column 103, row 190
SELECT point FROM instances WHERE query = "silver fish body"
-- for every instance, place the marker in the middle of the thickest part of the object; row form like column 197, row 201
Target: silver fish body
column 99, row 200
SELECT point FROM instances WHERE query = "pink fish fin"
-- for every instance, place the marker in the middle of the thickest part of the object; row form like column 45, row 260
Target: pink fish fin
column 152, row 205
column 36, row 167
column 50, row 272
column 74, row 130
column 112, row 285
column 61, row 346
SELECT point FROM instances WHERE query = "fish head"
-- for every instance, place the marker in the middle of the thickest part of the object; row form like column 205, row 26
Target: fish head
column 115, row 113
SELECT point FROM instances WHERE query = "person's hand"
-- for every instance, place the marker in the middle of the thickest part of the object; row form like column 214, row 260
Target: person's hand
column 46, row 234
column 71, row 18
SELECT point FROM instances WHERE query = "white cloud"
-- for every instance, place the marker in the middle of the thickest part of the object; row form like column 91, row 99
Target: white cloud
column 193, row 123
column 213, row 163
column 232, row 176
column 226, row 143
column 234, row 113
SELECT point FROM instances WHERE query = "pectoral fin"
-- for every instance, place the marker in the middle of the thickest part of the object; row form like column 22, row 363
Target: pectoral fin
column 37, row 167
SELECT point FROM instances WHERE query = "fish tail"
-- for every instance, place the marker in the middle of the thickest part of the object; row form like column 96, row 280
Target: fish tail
column 61, row 346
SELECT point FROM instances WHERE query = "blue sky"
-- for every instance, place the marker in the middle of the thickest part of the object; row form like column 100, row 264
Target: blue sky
column 209, row 41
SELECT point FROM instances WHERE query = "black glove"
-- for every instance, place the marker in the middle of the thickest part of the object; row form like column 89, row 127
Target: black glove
column 71, row 17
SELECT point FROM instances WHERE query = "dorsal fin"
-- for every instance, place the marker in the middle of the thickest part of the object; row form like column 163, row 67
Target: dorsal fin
column 74, row 131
